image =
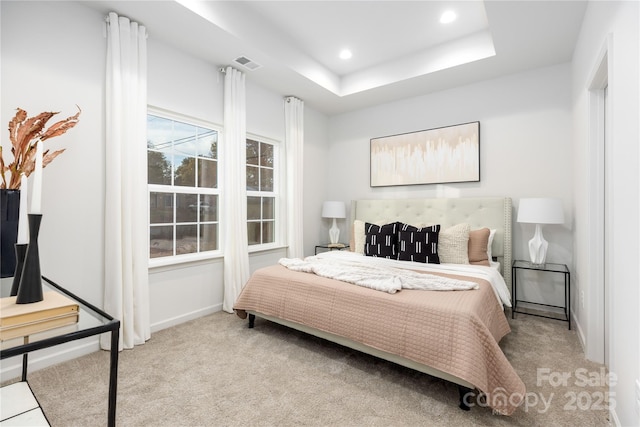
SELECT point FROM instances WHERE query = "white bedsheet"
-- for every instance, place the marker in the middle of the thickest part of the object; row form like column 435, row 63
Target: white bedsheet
column 489, row 274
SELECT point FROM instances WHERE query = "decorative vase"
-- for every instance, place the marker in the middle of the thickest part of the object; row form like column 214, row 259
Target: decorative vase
column 30, row 289
column 9, row 216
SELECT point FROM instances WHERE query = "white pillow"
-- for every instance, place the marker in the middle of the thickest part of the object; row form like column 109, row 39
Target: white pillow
column 453, row 244
column 492, row 233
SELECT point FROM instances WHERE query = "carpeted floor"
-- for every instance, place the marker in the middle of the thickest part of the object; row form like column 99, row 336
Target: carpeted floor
column 213, row 371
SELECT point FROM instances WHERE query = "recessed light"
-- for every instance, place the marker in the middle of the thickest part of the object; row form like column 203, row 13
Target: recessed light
column 345, row 54
column 448, row 17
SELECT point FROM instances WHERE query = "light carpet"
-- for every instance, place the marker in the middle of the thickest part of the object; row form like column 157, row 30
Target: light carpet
column 214, row 371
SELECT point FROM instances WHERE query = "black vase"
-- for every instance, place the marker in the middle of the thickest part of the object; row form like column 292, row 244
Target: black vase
column 30, row 289
column 9, row 216
column 21, row 252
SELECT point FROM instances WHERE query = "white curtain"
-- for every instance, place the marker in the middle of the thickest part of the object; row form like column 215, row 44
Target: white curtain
column 126, row 293
column 234, row 148
column 294, row 139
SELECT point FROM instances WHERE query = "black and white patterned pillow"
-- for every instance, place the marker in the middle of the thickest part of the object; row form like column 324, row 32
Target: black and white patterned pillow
column 381, row 240
column 418, row 244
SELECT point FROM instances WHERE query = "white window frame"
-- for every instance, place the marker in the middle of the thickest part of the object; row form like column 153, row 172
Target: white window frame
column 277, row 193
column 171, row 189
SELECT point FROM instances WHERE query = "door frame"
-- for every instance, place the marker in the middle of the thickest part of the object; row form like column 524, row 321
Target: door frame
column 598, row 319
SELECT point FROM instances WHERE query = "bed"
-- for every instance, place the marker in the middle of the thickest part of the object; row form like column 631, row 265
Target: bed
column 452, row 335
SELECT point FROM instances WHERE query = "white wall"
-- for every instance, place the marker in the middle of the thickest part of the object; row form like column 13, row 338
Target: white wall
column 619, row 21
column 317, row 165
column 53, row 57
column 181, row 83
column 525, row 151
column 55, row 64
column 44, row 69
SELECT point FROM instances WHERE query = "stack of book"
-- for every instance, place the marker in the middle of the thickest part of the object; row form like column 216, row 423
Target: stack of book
column 19, row 320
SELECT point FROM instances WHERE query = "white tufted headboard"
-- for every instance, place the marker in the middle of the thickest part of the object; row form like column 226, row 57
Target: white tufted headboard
column 477, row 212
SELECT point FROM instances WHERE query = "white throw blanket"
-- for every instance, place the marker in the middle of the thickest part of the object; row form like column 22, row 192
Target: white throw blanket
column 380, row 278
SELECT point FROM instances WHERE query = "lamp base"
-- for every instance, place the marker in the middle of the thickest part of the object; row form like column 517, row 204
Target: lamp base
column 538, row 247
column 334, row 233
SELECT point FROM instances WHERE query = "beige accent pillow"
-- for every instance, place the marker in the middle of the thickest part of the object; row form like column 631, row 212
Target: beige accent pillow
column 453, row 244
column 478, row 243
column 358, row 237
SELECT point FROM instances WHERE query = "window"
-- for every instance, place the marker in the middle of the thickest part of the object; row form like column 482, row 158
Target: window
column 182, row 161
column 262, row 195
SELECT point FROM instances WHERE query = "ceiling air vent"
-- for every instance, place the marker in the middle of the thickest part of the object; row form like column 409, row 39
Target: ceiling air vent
column 247, row 63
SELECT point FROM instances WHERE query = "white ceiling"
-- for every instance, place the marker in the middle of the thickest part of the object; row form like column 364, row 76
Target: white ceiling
column 400, row 48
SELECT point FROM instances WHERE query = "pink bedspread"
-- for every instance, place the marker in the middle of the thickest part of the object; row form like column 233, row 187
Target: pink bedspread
column 456, row 332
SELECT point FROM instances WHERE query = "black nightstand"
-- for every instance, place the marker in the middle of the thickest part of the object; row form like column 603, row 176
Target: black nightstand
column 549, row 268
column 330, row 247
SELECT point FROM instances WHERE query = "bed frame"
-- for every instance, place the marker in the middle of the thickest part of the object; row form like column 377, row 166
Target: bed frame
column 478, row 212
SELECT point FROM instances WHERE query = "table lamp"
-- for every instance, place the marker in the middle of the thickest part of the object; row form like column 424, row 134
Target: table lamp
column 334, row 210
column 540, row 211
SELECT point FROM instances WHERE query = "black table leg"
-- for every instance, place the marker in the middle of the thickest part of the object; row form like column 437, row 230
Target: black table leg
column 113, row 377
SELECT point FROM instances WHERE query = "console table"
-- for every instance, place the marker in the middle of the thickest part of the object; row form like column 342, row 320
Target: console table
column 92, row 322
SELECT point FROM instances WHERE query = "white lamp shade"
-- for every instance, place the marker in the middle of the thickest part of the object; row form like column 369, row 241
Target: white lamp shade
column 541, row 211
column 334, row 210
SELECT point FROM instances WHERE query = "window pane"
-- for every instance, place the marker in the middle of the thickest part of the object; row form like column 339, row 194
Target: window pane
column 268, row 208
column 252, row 178
column 266, row 179
column 185, row 171
column 186, row 207
column 186, row 239
column 161, row 241
column 252, row 152
column 207, row 143
column 208, row 207
column 253, row 208
column 267, row 232
column 160, row 208
column 158, row 168
column 184, row 139
column 253, row 232
column 159, row 131
column 208, row 237
column 266, row 155
column 207, row 173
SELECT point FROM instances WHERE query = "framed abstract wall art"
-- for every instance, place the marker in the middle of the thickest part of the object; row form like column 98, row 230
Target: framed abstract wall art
column 435, row 156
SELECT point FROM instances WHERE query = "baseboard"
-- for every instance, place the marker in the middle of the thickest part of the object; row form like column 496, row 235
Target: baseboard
column 613, row 418
column 581, row 337
column 167, row 323
column 12, row 368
